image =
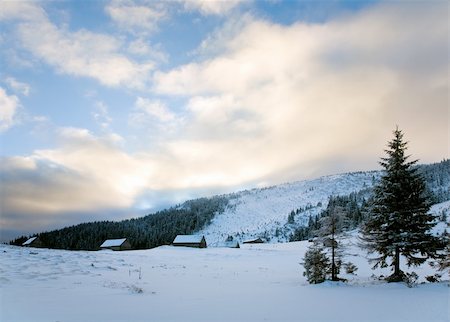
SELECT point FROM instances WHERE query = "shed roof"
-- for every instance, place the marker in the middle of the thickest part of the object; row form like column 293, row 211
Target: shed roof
column 29, row 241
column 188, row 239
column 255, row 240
column 230, row 244
column 113, row 242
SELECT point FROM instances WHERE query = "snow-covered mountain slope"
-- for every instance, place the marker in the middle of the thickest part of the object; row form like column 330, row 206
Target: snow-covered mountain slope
column 264, row 212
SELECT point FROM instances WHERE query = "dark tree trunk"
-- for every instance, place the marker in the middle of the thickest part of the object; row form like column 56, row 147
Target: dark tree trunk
column 398, row 275
column 333, row 265
column 333, row 251
column 397, row 262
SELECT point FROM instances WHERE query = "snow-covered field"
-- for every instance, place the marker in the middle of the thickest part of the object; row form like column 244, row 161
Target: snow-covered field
column 255, row 283
column 251, row 213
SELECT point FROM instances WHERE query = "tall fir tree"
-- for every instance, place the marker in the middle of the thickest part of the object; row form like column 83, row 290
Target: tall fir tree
column 399, row 223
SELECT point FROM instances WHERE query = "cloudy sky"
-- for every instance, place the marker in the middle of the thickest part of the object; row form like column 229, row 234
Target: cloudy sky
column 110, row 110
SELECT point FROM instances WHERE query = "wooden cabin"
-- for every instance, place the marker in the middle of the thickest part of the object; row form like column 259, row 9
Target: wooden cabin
column 33, row 242
column 254, row 241
column 196, row 241
column 116, row 244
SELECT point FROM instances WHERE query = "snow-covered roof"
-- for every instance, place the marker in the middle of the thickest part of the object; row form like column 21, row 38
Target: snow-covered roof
column 29, row 241
column 113, row 242
column 230, row 244
column 188, row 239
column 254, row 240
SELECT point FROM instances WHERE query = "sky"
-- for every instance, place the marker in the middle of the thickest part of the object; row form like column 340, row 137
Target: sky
column 114, row 109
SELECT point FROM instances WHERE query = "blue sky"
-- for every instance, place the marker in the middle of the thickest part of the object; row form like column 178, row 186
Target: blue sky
column 112, row 109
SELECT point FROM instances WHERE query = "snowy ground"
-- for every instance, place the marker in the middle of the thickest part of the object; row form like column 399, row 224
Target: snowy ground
column 252, row 213
column 254, row 283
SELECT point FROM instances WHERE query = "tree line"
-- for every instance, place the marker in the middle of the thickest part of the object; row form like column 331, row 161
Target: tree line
column 150, row 231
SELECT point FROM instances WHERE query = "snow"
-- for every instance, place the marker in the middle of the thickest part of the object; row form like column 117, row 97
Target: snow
column 439, row 209
column 188, row 239
column 230, row 244
column 259, row 212
column 259, row 282
column 29, row 241
column 113, row 242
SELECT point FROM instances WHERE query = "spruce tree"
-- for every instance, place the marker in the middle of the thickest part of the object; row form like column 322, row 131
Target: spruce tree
column 316, row 264
column 329, row 234
column 399, row 223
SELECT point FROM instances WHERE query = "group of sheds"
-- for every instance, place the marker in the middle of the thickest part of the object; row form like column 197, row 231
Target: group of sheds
column 196, row 241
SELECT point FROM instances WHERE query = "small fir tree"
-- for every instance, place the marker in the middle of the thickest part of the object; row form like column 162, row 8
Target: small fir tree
column 443, row 261
column 399, row 223
column 316, row 264
column 329, row 234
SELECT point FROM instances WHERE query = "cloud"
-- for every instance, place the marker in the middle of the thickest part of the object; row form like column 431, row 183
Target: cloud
column 9, row 105
column 316, row 98
column 101, row 115
column 85, row 173
column 18, row 87
column 155, row 118
column 136, row 18
column 156, row 109
column 141, row 47
column 208, row 7
column 79, row 53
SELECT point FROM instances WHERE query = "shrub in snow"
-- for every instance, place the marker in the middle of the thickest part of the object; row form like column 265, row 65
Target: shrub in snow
column 135, row 289
column 316, row 264
column 350, row 268
column 433, row 278
column 410, row 279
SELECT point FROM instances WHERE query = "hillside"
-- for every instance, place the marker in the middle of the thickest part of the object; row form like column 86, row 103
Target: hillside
column 243, row 215
column 264, row 212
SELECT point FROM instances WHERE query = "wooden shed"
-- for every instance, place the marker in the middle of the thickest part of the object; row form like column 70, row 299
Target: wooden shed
column 196, row 241
column 33, row 242
column 116, row 244
column 254, row 241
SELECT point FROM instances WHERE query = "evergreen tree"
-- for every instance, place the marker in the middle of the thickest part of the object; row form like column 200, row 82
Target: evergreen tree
column 443, row 261
column 399, row 223
column 331, row 228
column 316, row 264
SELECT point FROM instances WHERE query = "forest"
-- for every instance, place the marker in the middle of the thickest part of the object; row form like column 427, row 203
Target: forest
column 150, row 231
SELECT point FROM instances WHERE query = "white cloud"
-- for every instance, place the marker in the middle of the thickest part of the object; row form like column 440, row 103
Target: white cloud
column 211, row 7
column 101, row 115
column 133, row 17
column 155, row 117
column 155, row 108
column 75, row 134
column 140, row 47
column 18, row 87
column 317, row 98
column 9, row 105
column 80, row 53
column 85, row 173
